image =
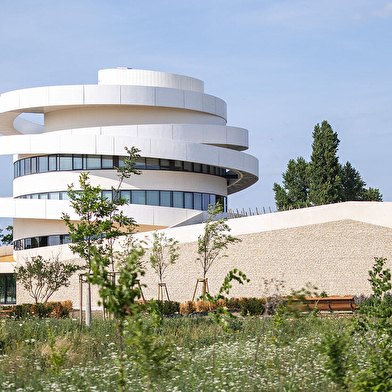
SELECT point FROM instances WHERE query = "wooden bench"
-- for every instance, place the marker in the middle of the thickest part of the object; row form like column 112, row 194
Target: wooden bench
column 330, row 304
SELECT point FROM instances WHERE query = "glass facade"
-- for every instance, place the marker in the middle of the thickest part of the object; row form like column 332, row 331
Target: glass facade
column 61, row 162
column 7, row 289
column 38, row 242
column 190, row 200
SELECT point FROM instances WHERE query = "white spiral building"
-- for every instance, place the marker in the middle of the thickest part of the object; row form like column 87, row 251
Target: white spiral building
column 190, row 157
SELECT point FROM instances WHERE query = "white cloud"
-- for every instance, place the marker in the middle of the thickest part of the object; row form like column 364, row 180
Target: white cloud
column 385, row 12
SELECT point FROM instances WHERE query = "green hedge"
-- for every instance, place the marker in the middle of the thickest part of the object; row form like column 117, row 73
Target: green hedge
column 48, row 310
column 168, row 307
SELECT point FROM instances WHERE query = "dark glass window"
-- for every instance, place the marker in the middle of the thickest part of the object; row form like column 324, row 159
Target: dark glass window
column 108, row 195
column 66, row 239
column 213, row 200
column 42, row 164
column 54, row 195
column 153, row 198
column 77, row 162
column 64, row 196
column 107, row 162
column 43, row 241
column 7, row 289
column 138, row 197
column 165, row 164
column 152, row 163
column 166, row 198
column 52, row 162
column 65, row 162
column 205, row 201
column 34, row 165
column 178, row 199
column 188, row 198
column 27, row 165
column 140, row 163
column 188, row 166
column 126, row 195
column 68, row 162
column 43, row 195
column 93, row 162
column 197, row 201
column 34, row 242
column 27, row 243
column 53, row 240
column 178, row 165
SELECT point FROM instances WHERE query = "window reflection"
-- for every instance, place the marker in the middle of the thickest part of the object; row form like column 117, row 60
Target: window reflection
column 7, row 289
column 67, row 162
column 177, row 199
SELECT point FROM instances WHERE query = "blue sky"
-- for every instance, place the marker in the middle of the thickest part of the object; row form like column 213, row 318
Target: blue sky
column 281, row 66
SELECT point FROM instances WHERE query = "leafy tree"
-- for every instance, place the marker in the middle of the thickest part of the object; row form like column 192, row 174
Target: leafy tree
column 222, row 315
column 352, row 183
column 376, row 317
column 7, row 239
column 100, row 220
column 295, row 190
column 214, row 239
column 380, row 278
column 42, row 278
column 151, row 354
column 324, row 168
column 164, row 253
column 119, row 298
column 371, row 194
column 323, row 180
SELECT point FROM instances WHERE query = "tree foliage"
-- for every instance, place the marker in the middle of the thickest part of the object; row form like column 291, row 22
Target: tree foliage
column 101, row 220
column 42, row 278
column 214, row 239
column 164, row 253
column 323, row 180
column 7, row 239
column 324, row 168
column 295, row 190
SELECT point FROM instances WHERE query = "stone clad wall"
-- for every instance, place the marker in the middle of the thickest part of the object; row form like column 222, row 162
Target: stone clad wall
column 334, row 256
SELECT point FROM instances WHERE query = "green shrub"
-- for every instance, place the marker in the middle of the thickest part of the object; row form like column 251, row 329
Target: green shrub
column 168, row 307
column 252, row 306
column 234, row 303
column 48, row 310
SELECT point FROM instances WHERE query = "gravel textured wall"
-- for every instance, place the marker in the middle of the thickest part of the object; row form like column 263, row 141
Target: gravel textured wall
column 334, row 256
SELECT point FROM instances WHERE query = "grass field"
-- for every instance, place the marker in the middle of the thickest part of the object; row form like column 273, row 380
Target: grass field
column 55, row 355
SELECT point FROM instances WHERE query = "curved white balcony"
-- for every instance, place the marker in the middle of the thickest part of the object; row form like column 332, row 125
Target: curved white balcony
column 167, row 117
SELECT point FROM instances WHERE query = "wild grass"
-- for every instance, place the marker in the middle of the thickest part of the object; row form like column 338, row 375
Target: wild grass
column 288, row 360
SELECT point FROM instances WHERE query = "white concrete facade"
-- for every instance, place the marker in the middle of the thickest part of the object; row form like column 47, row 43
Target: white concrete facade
column 190, row 157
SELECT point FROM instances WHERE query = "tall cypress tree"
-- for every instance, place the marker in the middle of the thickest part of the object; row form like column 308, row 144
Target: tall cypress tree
column 323, row 180
column 324, row 168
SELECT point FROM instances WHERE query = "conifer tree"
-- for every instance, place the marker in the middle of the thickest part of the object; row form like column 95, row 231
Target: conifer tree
column 352, row 183
column 323, row 180
column 324, row 168
column 295, row 190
